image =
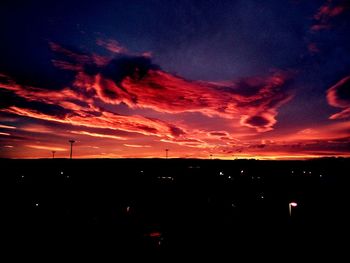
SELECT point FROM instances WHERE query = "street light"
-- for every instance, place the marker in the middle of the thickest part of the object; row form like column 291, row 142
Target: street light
column 292, row 204
column 71, row 147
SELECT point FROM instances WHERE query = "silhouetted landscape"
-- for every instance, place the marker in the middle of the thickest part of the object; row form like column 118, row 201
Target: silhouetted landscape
column 164, row 207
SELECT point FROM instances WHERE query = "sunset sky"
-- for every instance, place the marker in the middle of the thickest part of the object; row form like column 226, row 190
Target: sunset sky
column 231, row 79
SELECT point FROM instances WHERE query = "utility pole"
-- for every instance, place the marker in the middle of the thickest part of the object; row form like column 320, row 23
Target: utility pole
column 166, row 153
column 71, row 148
column 53, row 154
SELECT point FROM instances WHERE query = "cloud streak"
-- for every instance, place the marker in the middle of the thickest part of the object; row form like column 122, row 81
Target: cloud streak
column 99, row 135
column 46, row 148
column 137, row 145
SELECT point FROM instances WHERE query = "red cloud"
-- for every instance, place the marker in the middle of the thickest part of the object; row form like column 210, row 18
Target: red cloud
column 103, row 82
column 164, row 92
column 339, row 96
column 65, row 97
column 325, row 13
column 313, row 48
column 318, row 27
column 111, row 45
column 108, row 120
column 136, row 82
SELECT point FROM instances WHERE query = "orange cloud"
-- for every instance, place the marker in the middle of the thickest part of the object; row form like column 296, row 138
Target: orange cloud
column 46, row 148
column 36, row 128
column 137, row 145
column 99, row 135
column 7, row 127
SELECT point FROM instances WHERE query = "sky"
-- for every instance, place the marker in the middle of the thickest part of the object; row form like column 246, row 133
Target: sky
column 203, row 79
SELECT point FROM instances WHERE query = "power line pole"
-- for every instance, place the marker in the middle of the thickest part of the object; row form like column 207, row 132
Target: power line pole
column 71, row 148
column 53, row 154
column 166, row 153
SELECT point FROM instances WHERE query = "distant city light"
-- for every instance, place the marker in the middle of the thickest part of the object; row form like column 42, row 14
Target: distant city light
column 36, row 204
column 304, row 172
column 155, row 234
column 321, row 175
column 221, row 173
column 229, row 177
column 242, row 171
column 166, row 178
column 61, row 172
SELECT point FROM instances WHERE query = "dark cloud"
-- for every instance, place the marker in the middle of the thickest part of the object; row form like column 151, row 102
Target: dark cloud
column 176, row 131
column 259, row 146
column 247, row 86
column 343, row 92
column 257, row 121
column 260, row 122
column 218, row 134
column 50, row 77
column 9, row 99
column 127, row 66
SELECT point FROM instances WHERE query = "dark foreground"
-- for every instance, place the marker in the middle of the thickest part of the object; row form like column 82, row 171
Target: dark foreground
column 169, row 208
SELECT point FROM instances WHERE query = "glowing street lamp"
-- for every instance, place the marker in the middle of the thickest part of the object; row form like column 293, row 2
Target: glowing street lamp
column 292, row 204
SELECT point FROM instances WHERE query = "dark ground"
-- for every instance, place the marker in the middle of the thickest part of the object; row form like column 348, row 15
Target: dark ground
column 169, row 208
